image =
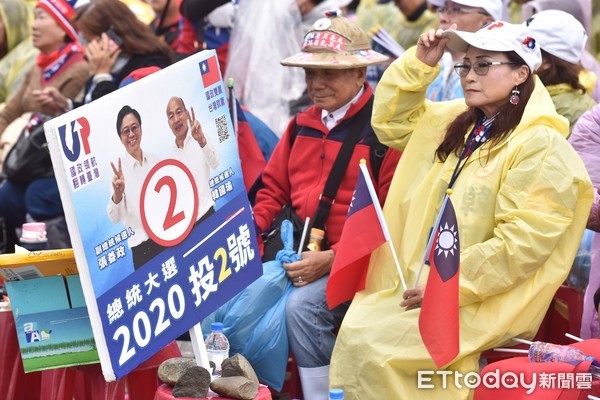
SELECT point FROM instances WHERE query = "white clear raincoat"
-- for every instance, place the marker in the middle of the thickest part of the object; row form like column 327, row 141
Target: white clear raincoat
column 521, row 208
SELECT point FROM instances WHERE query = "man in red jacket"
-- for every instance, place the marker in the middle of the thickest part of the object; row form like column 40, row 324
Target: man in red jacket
column 334, row 55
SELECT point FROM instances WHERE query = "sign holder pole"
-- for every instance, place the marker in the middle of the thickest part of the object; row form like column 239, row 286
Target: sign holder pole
column 199, row 347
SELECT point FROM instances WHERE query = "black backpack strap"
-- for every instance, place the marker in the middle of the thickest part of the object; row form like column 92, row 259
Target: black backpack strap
column 376, row 155
column 340, row 165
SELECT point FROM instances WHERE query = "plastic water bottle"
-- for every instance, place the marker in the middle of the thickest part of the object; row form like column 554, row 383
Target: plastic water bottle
column 550, row 352
column 217, row 346
column 336, row 394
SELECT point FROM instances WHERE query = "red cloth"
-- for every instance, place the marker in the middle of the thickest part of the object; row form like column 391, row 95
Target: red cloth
column 522, row 365
column 82, row 382
column 361, row 235
column 15, row 384
column 438, row 321
column 164, row 392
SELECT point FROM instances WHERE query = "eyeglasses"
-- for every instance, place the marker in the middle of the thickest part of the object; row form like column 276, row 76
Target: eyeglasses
column 459, row 10
column 135, row 128
column 481, row 68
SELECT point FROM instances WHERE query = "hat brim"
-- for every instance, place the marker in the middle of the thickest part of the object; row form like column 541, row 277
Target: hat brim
column 343, row 60
column 460, row 42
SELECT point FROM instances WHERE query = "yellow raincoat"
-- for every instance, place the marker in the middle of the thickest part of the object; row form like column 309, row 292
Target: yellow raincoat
column 17, row 18
column 370, row 15
column 571, row 103
column 521, row 208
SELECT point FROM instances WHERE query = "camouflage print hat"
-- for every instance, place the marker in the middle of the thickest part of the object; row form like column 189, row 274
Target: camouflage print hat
column 335, row 42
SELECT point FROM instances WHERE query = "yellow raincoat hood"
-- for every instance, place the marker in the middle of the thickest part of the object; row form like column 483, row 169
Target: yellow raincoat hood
column 17, row 18
column 572, row 103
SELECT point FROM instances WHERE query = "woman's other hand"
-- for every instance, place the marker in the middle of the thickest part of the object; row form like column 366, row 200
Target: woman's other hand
column 413, row 297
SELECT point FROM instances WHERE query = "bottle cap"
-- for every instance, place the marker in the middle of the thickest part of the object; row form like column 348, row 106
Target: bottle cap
column 336, row 394
column 216, row 326
column 317, row 233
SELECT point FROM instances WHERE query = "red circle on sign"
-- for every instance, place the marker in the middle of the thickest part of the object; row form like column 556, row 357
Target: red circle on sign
column 172, row 217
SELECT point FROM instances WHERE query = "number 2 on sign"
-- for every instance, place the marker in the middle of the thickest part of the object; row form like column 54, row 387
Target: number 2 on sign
column 169, row 202
column 170, row 219
column 225, row 270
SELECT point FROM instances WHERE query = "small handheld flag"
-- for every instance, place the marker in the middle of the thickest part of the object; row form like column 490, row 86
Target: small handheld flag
column 364, row 231
column 439, row 320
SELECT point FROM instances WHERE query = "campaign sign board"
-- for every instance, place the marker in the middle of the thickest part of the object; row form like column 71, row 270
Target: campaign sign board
column 154, row 197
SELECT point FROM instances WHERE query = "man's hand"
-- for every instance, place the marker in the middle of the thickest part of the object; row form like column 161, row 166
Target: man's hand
column 118, row 183
column 413, row 297
column 431, row 46
column 197, row 132
column 314, row 265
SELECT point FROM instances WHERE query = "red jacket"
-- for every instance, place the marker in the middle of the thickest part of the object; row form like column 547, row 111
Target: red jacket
column 298, row 174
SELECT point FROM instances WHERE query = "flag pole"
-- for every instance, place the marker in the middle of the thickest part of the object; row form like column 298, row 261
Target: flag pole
column 379, row 212
column 432, row 235
column 232, row 105
column 303, row 237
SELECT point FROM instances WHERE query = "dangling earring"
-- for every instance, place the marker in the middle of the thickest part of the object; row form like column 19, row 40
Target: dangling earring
column 514, row 98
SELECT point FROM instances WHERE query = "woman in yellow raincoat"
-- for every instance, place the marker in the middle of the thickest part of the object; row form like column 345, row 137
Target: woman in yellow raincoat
column 17, row 53
column 521, row 195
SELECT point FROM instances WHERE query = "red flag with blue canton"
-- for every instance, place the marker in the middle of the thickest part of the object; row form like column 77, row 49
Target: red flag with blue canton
column 361, row 235
column 210, row 71
column 438, row 322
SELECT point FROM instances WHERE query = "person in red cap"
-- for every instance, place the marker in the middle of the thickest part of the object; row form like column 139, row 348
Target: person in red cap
column 60, row 65
column 116, row 43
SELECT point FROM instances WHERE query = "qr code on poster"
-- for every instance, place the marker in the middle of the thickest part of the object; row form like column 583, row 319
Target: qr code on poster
column 222, row 129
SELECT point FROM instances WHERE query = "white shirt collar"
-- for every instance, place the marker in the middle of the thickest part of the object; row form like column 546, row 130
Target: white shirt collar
column 331, row 119
column 188, row 137
column 131, row 162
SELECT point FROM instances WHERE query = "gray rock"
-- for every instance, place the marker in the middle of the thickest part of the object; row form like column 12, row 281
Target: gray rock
column 238, row 365
column 171, row 370
column 235, row 387
column 193, row 383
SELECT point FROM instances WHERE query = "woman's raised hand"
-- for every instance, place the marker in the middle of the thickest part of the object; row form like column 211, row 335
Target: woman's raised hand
column 431, row 46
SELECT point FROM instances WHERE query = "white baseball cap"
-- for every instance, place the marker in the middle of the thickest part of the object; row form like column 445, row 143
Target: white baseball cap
column 499, row 36
column 492, row 7
column 558, row 33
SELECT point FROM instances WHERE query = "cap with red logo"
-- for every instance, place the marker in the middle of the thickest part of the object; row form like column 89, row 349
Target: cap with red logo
column 499, row 36
column 335, row 42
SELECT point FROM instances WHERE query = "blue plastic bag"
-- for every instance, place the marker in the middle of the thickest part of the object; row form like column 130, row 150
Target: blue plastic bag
column 580, row 270
column 254, row 320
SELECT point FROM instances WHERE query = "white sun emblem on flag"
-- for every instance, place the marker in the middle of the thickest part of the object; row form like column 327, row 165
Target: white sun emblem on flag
column 447, row 240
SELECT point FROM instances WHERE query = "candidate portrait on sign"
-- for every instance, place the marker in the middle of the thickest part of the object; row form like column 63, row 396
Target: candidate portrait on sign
column 130, row 171
column 192, row 147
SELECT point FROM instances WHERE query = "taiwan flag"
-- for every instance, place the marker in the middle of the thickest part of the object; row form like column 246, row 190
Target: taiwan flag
column 209, row 69
column 438, row 321
column 362, row 234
